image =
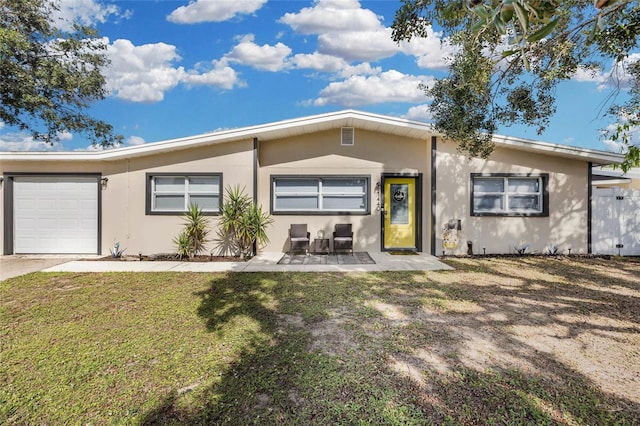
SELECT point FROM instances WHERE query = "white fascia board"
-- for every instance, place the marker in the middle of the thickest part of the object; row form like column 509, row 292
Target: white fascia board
column 565, row 151
column 610, row 182
column 305, row 125
column 275, row 130
column 633, row 173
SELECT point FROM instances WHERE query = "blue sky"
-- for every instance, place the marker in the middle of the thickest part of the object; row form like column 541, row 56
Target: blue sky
column 182, row 68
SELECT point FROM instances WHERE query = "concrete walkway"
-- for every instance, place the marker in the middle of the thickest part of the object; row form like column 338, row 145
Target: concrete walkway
column 16, row 265
column 264, row 262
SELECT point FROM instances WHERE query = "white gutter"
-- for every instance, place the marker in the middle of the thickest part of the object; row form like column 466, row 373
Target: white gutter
column 596, row 156
column 304, row 125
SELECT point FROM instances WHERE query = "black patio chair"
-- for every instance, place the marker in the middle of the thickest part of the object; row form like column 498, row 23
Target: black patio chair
column 299, row 238
column 343, row 237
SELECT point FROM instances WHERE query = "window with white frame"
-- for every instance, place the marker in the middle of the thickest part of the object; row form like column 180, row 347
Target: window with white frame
column 320, row 194
column 173, row 193
column 509, row 195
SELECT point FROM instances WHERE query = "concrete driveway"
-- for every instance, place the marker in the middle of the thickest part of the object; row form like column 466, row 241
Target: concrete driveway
column 16, row 265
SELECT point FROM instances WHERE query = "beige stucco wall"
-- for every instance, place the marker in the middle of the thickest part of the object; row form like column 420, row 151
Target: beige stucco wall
column 568, row 202
column 322, row 154
column 123, row 198
column 154, row 233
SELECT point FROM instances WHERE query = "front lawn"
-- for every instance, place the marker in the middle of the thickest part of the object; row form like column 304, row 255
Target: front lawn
column 497, row 341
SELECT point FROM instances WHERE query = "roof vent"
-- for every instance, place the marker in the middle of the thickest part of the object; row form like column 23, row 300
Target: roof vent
column 347, row 136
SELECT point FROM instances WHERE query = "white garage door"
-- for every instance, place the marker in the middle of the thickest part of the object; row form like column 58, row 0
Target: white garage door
column 55, row 214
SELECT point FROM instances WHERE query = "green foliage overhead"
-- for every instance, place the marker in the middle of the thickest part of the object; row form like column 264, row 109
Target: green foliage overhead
column 50, row 76
column 511, row 55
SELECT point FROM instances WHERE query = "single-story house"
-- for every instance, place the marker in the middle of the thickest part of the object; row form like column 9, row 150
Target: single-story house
column 400, row 184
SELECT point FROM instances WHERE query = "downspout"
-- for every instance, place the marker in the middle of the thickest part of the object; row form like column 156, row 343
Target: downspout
column 434, row 153
column 255, row 170
column 589, row 206
column 255, row 182
column 128, row 160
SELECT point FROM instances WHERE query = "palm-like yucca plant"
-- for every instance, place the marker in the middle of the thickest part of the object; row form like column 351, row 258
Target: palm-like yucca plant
column 242, row 221
column 253, row 228
column 233, row 209
column 183, row 245
column 193, row 238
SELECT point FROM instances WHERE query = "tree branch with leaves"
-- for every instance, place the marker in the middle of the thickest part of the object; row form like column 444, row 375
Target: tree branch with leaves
column 511, row 55
column 49, row 76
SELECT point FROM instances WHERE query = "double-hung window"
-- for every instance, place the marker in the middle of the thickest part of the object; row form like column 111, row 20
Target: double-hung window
column 509, row 195
column 173, row 193
column 320, row 194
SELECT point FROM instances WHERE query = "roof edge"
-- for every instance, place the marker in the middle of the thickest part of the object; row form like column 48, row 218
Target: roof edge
column 276, row 128
column 596, row 156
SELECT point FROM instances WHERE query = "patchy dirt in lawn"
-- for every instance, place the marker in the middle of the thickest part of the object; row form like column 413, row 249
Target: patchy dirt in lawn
column 560, row 319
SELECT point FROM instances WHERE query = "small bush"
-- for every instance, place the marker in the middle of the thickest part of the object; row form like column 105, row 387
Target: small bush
column 521, row 248
column 116, row 251
column 553, row 249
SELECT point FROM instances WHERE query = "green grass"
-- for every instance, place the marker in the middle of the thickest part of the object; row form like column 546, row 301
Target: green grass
column 298, row 348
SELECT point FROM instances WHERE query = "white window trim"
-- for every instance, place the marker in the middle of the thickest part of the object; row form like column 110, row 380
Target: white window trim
column 506, row 195
column 186, row 193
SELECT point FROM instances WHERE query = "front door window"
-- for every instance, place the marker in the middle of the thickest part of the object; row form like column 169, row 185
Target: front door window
column 399, row 210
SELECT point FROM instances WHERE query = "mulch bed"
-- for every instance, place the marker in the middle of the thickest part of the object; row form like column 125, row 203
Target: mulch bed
column 164, row 257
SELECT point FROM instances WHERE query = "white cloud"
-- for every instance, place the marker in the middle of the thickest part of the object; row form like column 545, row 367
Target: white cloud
column 145, row 73
column 217, row 73
column 84, row 12
column 134, row 140
column 130, row 141
column 359, row 46
column 616, row 77
column 363, row 68
column 587, row 75
column 389, row 86
column 432, row 52
column 348, row 31
column 319, row 62
column 332, row 16
column 265, row 57
column 344, row 29
column 332, row 64
column 618, row 146
column 419, row 113
column 142, row 73
column 22, row 141
column 213, row 10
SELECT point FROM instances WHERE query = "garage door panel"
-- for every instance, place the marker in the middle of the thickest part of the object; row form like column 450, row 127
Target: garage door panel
column 86, row 225
column 26, row 204
column 68, row 205
column 25, row 223
column 55, row 214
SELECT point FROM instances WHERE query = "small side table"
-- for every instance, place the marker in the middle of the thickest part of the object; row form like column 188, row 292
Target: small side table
column 321, row 245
